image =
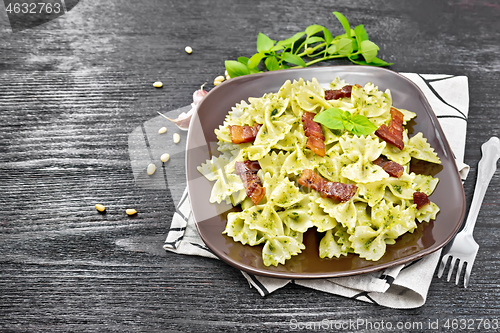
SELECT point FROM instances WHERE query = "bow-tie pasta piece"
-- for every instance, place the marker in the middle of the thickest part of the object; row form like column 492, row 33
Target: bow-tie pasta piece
column 279, row 249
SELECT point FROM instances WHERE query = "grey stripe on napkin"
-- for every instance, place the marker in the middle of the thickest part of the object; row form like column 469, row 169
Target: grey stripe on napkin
column 403, row 286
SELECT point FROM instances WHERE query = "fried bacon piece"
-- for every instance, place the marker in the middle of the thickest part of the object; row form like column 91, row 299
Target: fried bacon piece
column 392, row 168
column 314, row 133
column 244, row 134
column 385, row 134
column 333, row 190
column 247, row 170
column 396, row 124
column 393, row 133
column 345, row 91
column 421, row 199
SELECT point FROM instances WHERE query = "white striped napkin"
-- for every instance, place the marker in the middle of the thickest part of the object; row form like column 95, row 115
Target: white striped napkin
column 403, row 286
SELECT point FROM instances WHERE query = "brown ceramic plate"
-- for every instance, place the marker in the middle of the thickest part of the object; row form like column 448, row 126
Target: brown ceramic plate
column 211, row 218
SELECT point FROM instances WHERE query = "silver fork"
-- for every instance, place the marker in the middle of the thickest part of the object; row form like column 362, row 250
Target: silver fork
column 463, row 247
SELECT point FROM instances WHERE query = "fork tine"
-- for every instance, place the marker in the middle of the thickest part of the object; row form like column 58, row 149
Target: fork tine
column 442, row 265
column 468, row 270
column 459, row 270
column 452, row 265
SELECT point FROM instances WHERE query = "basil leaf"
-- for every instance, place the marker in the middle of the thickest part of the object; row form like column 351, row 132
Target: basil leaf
column 293, row 59
column 331, row 118
column 243, row 60
column 272, row 63
column 293, row 39
column 264, row 43
column 375, row 61
column 379, row 62
column 254, row 70
column 276, row 48
column 235, row 68
column 369, row 50
column 255, row 59
column 314, row 39
column 360, row 33
column 348, row 125
column 331, row 49
column 344, row 23
column 344, row 46
column 313, row 29
column 355, row 46
column 328, row 36
column 362, row 125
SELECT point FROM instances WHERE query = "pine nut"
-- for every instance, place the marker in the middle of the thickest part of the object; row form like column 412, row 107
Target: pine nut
column 188, row 49
column 165, row 157
column 157, row 84
column 218, row 80
column 162, row 130
column 131, row 211
column 177, row 138
column 151, row 169
column 100, row 208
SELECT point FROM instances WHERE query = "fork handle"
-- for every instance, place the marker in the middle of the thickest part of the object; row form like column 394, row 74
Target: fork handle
column 485, row 171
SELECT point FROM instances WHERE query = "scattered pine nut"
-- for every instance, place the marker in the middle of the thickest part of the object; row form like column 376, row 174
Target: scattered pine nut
column 157, row 84
column 165, row 157
column 177, row 138
column 218, row 80
column 100, row 208
column 151, row 168
column 162, row 130
column 131, row 211
column 188, row 49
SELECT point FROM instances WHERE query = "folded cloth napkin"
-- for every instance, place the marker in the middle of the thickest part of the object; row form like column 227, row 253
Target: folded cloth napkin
column 402, row 286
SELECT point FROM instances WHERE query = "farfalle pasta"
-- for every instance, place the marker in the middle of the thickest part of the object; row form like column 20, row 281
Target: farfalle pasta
column 382, row 207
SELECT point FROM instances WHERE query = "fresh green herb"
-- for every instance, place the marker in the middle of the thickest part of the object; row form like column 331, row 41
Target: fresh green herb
column 315, row 44
column 335, row 118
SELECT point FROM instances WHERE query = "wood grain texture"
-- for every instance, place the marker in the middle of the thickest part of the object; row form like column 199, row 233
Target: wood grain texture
column 72, row 90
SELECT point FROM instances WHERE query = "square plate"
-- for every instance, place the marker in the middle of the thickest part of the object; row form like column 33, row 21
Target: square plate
column 211, row 218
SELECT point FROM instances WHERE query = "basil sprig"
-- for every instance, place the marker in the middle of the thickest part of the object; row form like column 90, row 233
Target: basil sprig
column 336, row 118
column 315, row 44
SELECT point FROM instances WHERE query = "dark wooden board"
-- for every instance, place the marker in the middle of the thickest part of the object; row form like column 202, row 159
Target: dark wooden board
column 73, row 89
